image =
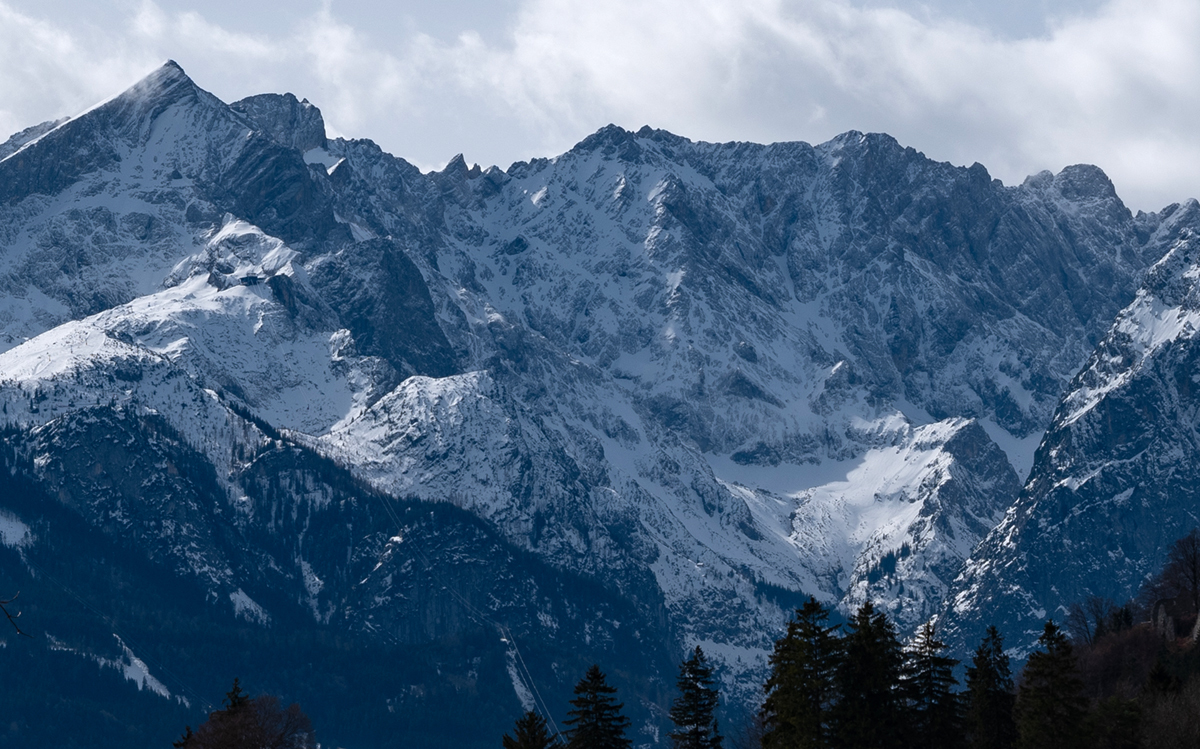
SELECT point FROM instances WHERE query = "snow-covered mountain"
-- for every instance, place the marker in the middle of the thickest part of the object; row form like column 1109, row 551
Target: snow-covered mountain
column 1114, row 483
column 708, row 379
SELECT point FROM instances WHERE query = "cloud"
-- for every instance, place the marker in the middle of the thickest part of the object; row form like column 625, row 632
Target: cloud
column 47, row 72
column 1115, row 87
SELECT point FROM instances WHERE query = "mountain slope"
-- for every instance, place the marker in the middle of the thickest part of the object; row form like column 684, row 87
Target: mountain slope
column 1114, row 481
column 381, row 616
column 704, row 379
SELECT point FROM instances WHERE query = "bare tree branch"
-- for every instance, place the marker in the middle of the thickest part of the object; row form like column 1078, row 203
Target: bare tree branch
column 12, row 618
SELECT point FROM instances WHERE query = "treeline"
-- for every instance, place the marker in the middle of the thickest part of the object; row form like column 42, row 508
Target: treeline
column 1127, row 676
column 857, row 687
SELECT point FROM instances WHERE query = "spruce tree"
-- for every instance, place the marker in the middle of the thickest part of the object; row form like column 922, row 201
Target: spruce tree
column 930, row 682
column 990, row 696
column 694, row 712
column 235, row 699
column 530, row 732
column 596, row 721
column 870, row 711
column 1050, row 704
column 800, row 690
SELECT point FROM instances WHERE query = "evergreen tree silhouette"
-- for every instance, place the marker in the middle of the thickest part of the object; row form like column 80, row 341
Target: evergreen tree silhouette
column 694, row 712
column 870, row 711
column 184, row 741
column 990, row 696
column 930, row 682
column 800, row 690
column 235, row 699
column 1050, row 704
column 596, row 721
column 530, row 732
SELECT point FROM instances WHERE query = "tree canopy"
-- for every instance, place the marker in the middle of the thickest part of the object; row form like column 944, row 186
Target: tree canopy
column 1050, row 705
column 694, row 711
column 929, row 683
column 596, row 721
column 530, row 732
column 870, row 713
column 800, row 689
column 990, row 695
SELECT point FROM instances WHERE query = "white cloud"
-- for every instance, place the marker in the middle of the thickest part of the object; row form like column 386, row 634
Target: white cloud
column 46, row 72
column 1115, row 87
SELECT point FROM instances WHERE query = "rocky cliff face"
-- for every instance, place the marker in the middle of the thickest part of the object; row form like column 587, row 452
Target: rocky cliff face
column 701, row 380
column 1114, row 481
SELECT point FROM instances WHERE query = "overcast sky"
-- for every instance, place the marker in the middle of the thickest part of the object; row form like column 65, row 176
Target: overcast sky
column 1019, row 86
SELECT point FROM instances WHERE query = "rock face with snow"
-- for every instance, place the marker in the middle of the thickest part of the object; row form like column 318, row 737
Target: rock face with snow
column 1115, row 480
column 665, row 389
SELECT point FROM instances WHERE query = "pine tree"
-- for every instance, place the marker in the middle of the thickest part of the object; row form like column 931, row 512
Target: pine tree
column 990, row 696
column 870, row 712
column 235, row 698
column 694, row 712
column 596, row 721
column 530, row 732
column 1050, row 704
column 800, row 690
column 185, row 741
column 929, row 683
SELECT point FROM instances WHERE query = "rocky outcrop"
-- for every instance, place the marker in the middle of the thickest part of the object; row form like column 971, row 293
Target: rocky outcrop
column 290, row 123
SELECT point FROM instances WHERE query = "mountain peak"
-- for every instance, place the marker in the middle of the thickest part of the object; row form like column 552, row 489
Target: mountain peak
column 285, row 119
column 164, row 78
column 607, row 139
column 857, row 141
column 613, row 140
column 1085, row 181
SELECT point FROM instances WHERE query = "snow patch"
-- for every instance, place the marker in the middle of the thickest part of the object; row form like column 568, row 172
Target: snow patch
column 1020, row 450
column 14, row 533
column 519, row 688
column 245, row 607
column 135, row 669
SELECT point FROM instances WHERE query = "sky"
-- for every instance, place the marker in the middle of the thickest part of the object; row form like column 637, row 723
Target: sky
column 1019, row 86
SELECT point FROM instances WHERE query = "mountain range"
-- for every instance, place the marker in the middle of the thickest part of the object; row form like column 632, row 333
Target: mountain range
column 400, row 445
